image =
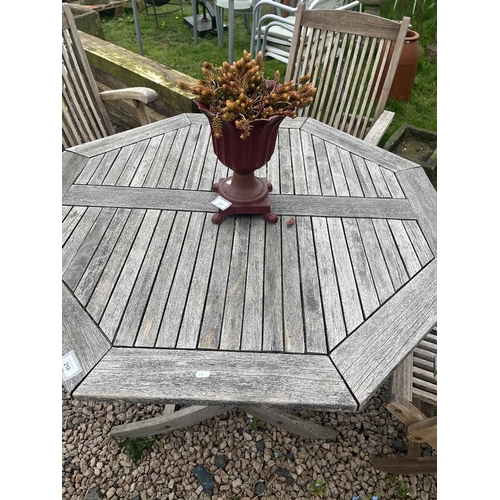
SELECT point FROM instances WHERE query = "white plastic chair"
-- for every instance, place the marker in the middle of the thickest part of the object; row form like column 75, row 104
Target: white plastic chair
column 244, row 7
column 272, row 33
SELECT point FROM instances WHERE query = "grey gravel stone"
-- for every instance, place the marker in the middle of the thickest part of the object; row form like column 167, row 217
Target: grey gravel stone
column 259, row 488
column 239, row 460
column 204, row 477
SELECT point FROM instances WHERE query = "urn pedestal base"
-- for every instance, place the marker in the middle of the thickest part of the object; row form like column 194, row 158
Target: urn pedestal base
column 248, row 195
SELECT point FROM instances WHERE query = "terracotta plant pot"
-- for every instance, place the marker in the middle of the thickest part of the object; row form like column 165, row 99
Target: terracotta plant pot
column 407, row 68
column 248, row 194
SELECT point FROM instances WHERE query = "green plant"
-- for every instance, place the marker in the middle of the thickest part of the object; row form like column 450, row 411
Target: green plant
column 239, row 92
column 317, row 487
column 256, row 423
column 403, row 491
column 364, row 497
column 135, row 447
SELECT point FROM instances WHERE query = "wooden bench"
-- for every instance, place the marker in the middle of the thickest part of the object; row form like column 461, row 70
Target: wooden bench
column 412, row 400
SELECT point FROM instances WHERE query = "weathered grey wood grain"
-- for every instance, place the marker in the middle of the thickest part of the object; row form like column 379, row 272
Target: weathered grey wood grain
column 91, row 276
column 172, row 316
column 216, row 296
column 378, row 266
column 193, row 311
column 299, row 175
column 418, row 241
column 251, row 333
column 364, row 177
column 132, row 316
column 112, row 270
column 185, row 161
column 217, row 378
column 351, row 305
column 198, row 161
column 286, row 177
column 78, row 235
column 118, row 165
column 71, row 221
column 272, row 169
column 72, row 166
column 65, row 210
column 235, row 295
column 160, row 159
column 273, row 290
column 339, row 180
column 209, row 167
column 391, row 180
column 81, row 335
column 357, row 146
column 332, row 307
column 173, row 158
column 313, row 308
column 117, row 303
column 311, row 162
column 405, row 247
column 104, row 167
column 395, row 265
column 351, row 177
column 169, row 422
column 146, row 161
column 166, row 199
column 423, row 199
column 379, row 180
column 293, row 424
column 361, row 268
column 130, row 136
column 153, row 315
column 84, row 254
column 90, row 168
column 132, row 164
column 292, row 301
column 369, row 355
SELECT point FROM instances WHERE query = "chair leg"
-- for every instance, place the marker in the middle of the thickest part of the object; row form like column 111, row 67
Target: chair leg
column 247, row 20
column 219, row 19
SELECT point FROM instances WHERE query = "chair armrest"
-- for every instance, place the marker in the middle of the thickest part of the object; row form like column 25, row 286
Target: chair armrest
column 379, row 127
column 142, row 94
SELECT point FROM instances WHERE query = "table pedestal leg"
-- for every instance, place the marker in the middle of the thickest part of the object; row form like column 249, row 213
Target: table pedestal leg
column 169, row 421
column 291, row 423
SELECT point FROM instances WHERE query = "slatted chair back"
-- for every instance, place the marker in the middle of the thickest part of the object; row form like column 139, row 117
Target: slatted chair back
column 84, row 117
column 349, row 57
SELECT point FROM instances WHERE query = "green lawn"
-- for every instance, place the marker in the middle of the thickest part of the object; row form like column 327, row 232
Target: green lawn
column 172, row 45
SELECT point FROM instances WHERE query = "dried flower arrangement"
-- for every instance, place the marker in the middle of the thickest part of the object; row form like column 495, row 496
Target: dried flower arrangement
column 240, row 93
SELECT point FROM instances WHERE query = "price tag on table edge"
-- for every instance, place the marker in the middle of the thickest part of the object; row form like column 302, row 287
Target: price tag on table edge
column 221, row 203
column 70, row 366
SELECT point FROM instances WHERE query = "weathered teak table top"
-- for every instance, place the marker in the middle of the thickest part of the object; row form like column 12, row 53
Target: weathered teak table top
column 162, row 305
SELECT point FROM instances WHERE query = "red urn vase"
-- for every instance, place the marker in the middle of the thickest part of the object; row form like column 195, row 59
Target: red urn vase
column 247, row 193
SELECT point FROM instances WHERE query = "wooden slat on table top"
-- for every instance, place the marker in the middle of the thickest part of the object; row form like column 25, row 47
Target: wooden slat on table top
column 281, row 204
column 181, row 157
column 174, row 279
column 165, row 376
column 365, row 358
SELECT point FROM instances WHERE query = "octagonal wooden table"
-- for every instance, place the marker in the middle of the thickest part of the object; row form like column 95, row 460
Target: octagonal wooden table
column 313, row 312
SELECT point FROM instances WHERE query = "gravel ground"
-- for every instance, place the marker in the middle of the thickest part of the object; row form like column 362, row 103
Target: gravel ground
column 242, row 460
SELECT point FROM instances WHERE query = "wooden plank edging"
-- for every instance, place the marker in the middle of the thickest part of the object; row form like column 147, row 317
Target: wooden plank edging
column 189, row 377
column 412, row 312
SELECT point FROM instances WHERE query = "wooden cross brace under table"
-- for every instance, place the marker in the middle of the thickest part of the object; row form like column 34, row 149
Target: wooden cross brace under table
column 191, row 415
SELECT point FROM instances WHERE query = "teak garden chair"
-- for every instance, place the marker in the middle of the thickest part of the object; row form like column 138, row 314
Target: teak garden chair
column 349, row 57
column 412, row 400
column 84, row 116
